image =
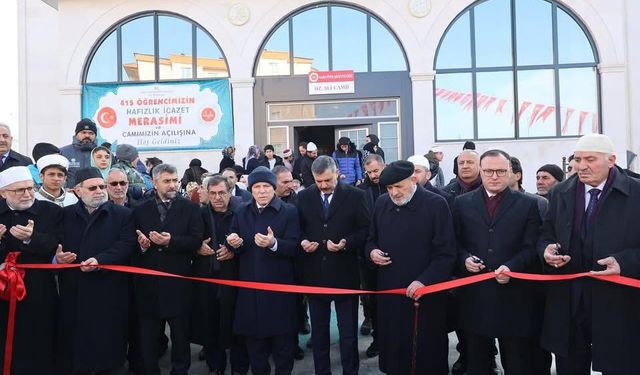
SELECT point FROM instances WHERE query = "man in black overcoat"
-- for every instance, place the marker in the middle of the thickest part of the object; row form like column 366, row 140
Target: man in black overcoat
column 334, row 221
column 592, row 225
column 265, row 234
column 496, row 231
column 169, row 230
column 34, row 228
column 213, row 305
column 93, row 302
column 411, row 242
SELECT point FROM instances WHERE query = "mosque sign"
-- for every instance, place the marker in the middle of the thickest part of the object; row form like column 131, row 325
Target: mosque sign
column 167, row 116
column 331, row 82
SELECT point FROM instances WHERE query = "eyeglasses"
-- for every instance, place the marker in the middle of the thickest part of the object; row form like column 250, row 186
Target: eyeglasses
column 96, row 187
column 21, row 191
column 498, row 172
column 220, row 194
column 116, row 183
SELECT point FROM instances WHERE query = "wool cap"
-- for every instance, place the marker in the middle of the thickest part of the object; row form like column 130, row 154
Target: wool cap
column 396, row 172
column 595, row 143
column 286, row 153
column 553, row 170
column 84, row 174
column 344, row 141
column 261, row 174
column 41, row 149
column 86, row 124
column 126, row 152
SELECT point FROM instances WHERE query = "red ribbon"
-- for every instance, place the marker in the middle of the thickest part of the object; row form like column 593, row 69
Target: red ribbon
column 11, row 278
column 12, row 289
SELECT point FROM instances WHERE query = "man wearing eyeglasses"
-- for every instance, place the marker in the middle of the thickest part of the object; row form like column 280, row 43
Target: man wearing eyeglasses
column 34, row 228
column 496, row 231
column 169, row 229
column 92, row 329
column 117, row 188
column 213, row 305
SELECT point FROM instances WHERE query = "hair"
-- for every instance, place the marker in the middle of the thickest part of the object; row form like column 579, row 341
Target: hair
column 303, row 144
column 163, row 168
column 373, row 157
column 322, row 163
column 216, row 180
column 516, row 167
column 229, row 169
column 7, row 128
column 102, row 148
column 269, row 147
column 117, row 170
column 278, row 169
column 153, row 161
column 571, row 157
column 496, row 153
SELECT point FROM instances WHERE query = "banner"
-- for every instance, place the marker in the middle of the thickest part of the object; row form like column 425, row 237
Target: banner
column 162, row 116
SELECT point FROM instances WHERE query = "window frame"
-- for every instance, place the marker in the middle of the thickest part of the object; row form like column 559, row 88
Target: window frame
column 117, row 28
column 289, row 20
column 515, row 68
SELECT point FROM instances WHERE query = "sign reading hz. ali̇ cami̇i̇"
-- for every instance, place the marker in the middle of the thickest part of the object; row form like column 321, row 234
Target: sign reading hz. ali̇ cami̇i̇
column 331, row 82
column 167, row 116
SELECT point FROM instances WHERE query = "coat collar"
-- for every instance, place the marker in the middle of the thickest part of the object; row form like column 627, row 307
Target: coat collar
column 478, row 201
column 4, row 207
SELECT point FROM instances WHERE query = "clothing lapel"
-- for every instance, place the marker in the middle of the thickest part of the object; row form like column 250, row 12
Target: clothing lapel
column 339, row 195
column 171, row 213
column 507, row 201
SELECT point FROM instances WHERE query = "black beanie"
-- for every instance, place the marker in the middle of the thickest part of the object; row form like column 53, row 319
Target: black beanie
column 553, row 170
column 86, row 124
column 42, row 149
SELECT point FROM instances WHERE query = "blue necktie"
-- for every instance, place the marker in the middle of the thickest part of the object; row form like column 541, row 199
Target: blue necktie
column 325, row 205
column 591, row 207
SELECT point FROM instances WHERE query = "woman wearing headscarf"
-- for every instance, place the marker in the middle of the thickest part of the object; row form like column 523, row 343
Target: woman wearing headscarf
column 193, row 174
column 101, row 159
column 228, row 153
column 252, row 160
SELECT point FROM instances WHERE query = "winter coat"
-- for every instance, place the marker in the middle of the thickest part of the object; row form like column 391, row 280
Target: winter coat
column 79, row 155
column 348, row 164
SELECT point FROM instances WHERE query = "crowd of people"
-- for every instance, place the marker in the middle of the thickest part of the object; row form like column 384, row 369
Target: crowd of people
column 346, row 220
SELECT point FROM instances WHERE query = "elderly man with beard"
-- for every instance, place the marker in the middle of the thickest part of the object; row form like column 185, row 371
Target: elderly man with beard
column 411, row 243
column 34, row 228
column 93, row 302
column 424, row 171
column 213, row 305
column 265, row 235
column 169, row 230
column 79, row 151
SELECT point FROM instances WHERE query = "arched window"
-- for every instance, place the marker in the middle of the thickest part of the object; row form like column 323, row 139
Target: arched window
column 330, row 37
column 501, row 52
column 154, row 47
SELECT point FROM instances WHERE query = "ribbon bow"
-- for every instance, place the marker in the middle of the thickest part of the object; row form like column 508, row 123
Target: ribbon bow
column 12, row 289
column 12, row 279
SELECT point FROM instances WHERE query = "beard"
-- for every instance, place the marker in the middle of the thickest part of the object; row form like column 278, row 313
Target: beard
column 94, row 202
column 21, row 206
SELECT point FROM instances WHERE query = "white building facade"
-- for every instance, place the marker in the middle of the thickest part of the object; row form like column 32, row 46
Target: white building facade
column 441, row 95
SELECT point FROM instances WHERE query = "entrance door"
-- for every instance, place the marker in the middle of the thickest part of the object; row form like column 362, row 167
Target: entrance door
column 356, row 133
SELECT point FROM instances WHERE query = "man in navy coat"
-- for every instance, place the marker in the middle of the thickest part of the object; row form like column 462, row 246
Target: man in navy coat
column 496, row 231
column 592, row 225
column 411, row 242
column 265, row 235
column 334, row 221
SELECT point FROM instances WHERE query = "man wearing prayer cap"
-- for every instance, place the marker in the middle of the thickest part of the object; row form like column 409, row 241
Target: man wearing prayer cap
column 92, row 328
column 33, row 228
column 53, row 174
column 411, row 243
column 591, row 226
column 425, row 170
column 305, row 166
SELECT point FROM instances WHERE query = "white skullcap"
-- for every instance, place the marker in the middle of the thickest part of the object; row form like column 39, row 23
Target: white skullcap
column 436, row 148
column 420, row 160
column 312, row 146
column 595, row 143
column 14, row 174
column 53, row 159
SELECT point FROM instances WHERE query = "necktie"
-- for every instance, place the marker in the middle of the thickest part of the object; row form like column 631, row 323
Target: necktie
column 325, row 205
column 1, row 161
column 591, row 207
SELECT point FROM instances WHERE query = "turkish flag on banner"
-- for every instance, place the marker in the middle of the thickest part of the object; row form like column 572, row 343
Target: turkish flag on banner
column 546, row 113
column 500, row 106
column 594, row 123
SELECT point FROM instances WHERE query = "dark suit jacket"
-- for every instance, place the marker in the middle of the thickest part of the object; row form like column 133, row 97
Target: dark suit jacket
column 15, row 159
column 615, row 308
column 489, row 308
column 348, row 219
column 242, row 193
column 162, row 296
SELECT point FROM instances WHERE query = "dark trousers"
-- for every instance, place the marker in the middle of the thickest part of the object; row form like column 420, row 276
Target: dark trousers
column 515, row 353
column 347, row 314
column 216, row 356
column 279, row 347
column 578, row 362
column 369, row 282
column 150, row 348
